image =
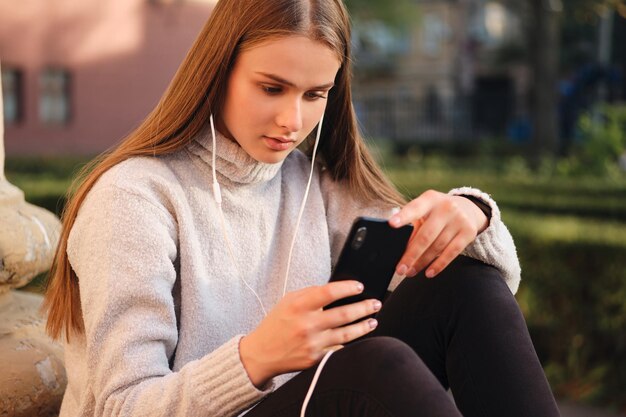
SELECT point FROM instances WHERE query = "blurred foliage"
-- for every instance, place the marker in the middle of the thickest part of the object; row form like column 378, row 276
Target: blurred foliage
column 380, row 34
column 578, row 25
column 57, row 167
column 397, row 14
column 570, row 233
column 45, row 181
column 603, row 135
column 579, row 29
column 573, row 297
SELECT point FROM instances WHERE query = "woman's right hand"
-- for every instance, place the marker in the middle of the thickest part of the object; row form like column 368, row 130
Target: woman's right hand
column 297, row 332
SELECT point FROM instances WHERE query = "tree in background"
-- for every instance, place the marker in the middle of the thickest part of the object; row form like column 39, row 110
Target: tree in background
column 380, row 29
column 544, row 45
column 560, row 35
column 397, row 14
column 541, row 23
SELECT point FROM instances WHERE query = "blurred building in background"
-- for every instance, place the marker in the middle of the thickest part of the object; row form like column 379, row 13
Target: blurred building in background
column 448, row 83
column 79, row 75
column 466, row 72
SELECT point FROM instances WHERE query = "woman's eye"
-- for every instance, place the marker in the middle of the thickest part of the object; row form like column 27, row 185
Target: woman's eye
column 314, row 95
column 271, row 90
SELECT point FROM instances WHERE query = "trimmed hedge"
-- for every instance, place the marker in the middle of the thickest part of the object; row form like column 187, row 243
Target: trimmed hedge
column 589, row 198
column 573, row 295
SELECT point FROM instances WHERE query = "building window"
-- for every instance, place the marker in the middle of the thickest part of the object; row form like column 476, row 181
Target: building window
column 54, row 99
column 12, row 95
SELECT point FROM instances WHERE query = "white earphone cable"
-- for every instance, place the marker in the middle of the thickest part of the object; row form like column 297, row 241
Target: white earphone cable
column 218, row 199
column 302, row 205
column 318, row 372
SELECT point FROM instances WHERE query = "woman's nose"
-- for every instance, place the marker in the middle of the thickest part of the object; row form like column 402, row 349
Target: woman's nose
column 290, row 116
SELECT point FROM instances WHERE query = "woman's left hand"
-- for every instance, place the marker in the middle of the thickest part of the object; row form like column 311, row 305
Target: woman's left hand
column 443, row 227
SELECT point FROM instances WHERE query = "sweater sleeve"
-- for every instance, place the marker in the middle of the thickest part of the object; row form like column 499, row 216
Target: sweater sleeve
column 494, row 246
column 123, row 248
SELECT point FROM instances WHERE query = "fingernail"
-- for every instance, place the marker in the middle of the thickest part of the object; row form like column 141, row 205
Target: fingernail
column 377, row 305
column 359, row 287
column 430, row 273
column 402, row 269
column 395, row 221
column 372, row 323
column 411, row 272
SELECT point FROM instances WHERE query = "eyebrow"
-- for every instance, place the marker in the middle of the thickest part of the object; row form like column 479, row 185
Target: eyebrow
column 289, row 83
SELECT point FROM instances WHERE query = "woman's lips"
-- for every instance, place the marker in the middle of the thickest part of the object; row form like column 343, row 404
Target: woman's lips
column 278, row 143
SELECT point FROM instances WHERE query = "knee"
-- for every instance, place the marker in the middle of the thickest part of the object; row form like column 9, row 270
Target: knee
column 391, row 371
column 383, row 356
column 471, row 278
column 466, row 282
column 463, row 267
column 477, row 286
column 382, row 375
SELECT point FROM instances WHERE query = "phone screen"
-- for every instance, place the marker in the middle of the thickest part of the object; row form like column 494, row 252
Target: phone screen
column 370, row 254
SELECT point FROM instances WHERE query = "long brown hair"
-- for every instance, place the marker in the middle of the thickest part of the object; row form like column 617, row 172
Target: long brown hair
column 198, row 89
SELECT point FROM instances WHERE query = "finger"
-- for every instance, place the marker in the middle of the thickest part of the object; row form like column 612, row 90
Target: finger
column 435, row 250
column 314, row 298
column 340, row 316
column 414, row 210
column 421, row 241
column 454, row 249
column 346, row 334
column 334, row 348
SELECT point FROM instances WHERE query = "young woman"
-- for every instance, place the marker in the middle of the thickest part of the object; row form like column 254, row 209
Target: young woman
column 181, row 297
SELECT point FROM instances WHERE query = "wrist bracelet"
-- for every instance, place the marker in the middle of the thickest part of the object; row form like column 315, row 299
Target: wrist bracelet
column 484, row 207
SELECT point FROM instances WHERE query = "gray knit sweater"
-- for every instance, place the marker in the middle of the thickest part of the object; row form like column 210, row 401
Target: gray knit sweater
column 163, row 304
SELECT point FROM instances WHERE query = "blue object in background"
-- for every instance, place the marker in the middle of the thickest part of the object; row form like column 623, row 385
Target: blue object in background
column 519, row 130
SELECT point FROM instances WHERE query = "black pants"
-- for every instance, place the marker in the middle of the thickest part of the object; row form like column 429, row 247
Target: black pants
column 461, row 330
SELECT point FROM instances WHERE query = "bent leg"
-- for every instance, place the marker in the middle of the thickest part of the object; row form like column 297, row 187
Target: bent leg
column 467, row 328
column 375, row 377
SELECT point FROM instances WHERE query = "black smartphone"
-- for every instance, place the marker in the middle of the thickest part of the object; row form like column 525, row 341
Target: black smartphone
column 370, row 254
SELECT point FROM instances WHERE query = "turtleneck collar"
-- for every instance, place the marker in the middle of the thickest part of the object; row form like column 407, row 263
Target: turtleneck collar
column 232, row 161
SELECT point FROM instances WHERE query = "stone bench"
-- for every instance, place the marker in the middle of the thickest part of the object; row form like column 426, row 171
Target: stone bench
column 32, row 375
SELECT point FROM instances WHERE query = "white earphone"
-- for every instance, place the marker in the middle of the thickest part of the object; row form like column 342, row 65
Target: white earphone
column 218, row 199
